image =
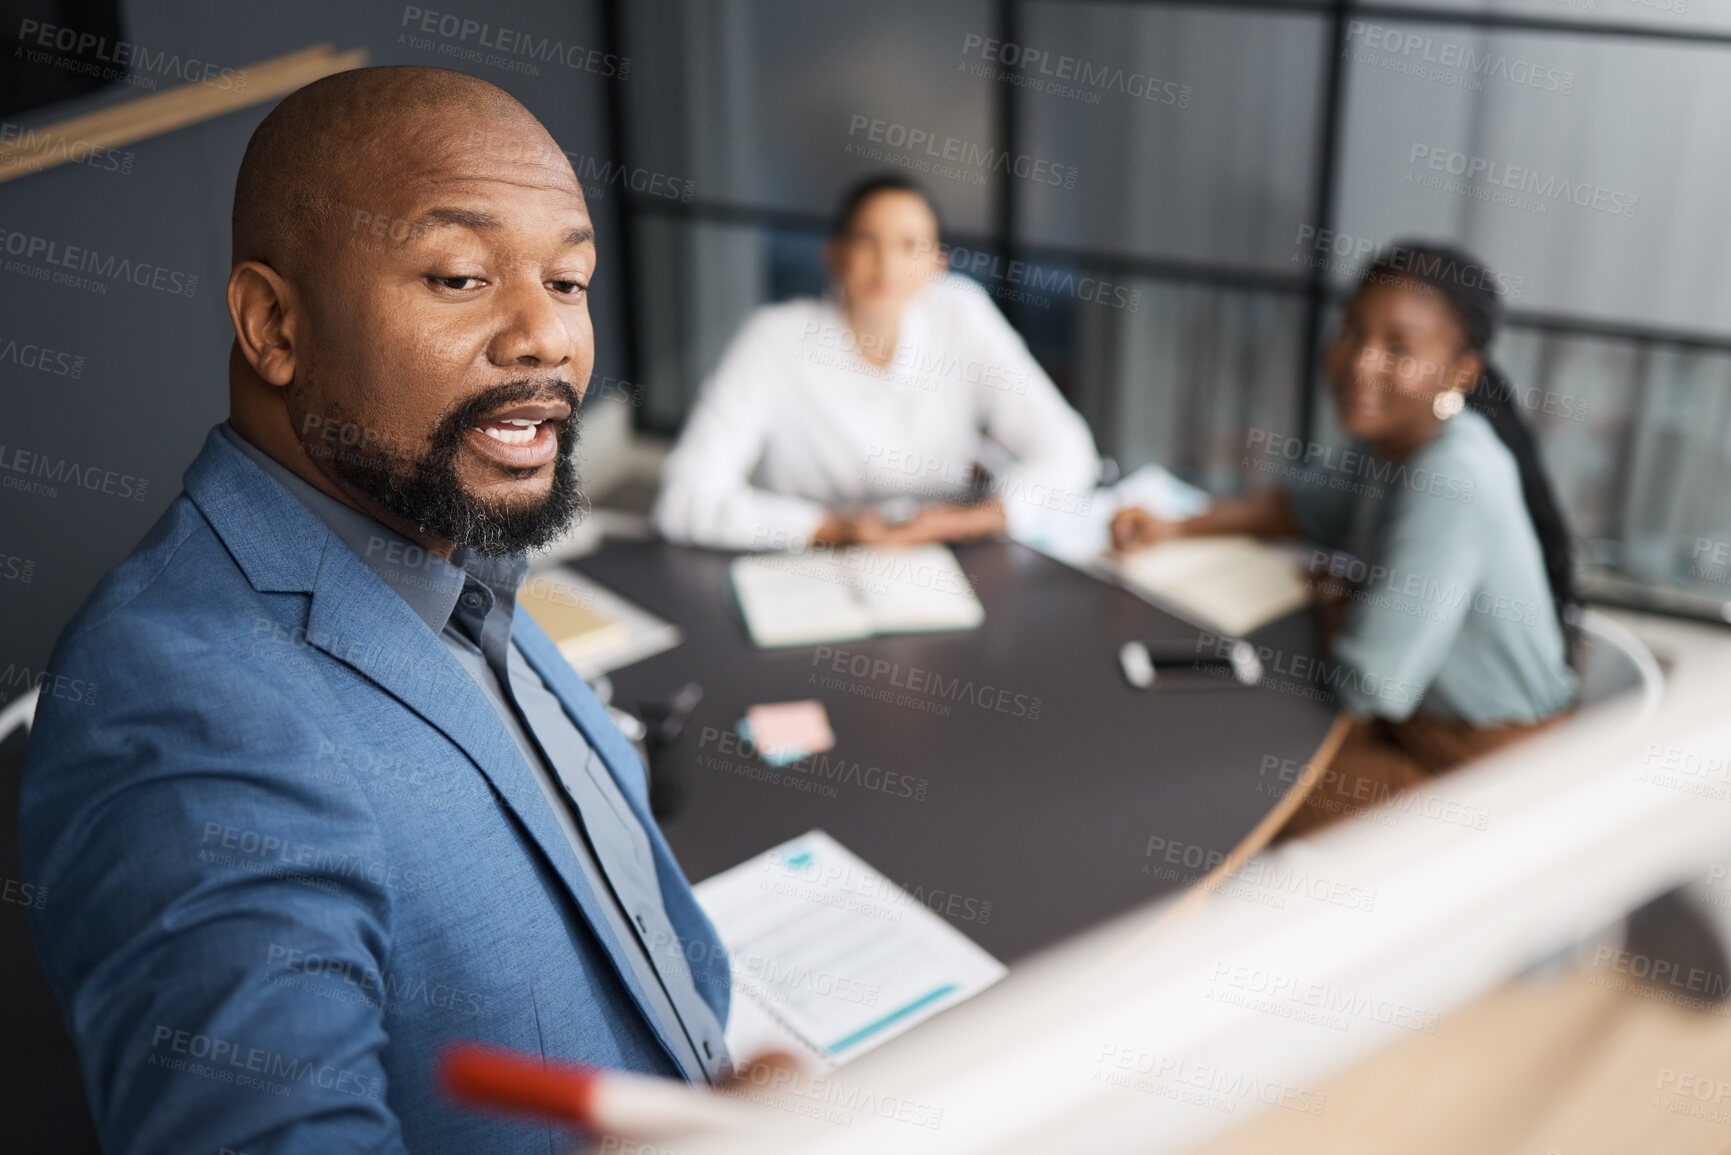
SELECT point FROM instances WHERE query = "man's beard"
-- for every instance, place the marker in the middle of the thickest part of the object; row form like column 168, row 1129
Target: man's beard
column 426, row 491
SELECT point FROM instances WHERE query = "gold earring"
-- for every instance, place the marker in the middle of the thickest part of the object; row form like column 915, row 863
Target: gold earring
column 1447, row 403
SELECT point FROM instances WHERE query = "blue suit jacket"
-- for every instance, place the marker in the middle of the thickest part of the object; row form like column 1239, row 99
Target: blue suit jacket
column 290, row 851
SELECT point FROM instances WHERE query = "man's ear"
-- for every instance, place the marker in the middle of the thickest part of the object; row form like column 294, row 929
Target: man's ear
column 266, row 317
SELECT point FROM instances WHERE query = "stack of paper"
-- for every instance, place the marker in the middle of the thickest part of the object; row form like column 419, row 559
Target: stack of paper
column 595, row 629
column 853, row 592
column 1230, row 585
column 830, row 959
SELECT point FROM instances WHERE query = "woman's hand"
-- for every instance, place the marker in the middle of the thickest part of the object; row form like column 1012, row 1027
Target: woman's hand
column 1135, row 528
column 1332, row 596
column 937, row 522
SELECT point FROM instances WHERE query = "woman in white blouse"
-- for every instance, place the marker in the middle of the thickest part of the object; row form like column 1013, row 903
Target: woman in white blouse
column 863, row 416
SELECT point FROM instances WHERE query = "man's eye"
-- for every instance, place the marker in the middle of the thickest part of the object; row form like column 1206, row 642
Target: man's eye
column 459, row 283
column 568, row 288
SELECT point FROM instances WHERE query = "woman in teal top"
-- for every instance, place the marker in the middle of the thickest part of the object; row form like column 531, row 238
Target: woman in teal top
column 1446, row 624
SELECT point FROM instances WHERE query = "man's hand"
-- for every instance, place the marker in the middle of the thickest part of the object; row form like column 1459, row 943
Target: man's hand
column 1135, row 528
column 939, row 522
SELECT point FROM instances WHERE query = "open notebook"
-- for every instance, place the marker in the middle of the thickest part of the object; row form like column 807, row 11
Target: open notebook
column 831, row 959
column 1230, row 585
column 838, row 595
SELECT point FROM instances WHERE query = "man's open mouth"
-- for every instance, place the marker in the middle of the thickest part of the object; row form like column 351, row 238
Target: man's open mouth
column 522, row 436
column 516, row 431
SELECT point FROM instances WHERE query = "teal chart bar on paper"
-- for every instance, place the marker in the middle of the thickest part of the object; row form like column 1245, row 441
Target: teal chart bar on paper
column 890, row 1019
column 831, row 958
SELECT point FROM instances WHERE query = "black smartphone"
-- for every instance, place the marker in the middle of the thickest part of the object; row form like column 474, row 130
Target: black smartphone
column 1170, row 668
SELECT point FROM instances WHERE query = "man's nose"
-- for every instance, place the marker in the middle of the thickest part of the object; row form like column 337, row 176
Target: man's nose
column 531, row 328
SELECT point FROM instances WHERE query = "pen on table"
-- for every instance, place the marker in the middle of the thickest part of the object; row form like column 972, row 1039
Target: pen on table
column 607, row 1102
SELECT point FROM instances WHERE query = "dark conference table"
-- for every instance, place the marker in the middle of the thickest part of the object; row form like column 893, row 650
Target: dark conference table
column 948, row 776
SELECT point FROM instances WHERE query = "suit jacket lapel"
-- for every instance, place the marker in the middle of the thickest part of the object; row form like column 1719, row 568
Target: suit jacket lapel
column 360, row 621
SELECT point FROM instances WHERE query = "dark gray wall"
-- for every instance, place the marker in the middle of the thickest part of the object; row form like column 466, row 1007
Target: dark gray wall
column 151, row 379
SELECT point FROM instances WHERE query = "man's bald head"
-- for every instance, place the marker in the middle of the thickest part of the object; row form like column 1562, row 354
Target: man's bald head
column 326, row 147
column 412, row 260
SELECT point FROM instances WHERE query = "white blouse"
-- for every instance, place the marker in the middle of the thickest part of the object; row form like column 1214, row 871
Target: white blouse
column 794, row 422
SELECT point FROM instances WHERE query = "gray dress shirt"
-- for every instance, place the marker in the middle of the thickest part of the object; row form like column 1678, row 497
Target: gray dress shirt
column 470, row 602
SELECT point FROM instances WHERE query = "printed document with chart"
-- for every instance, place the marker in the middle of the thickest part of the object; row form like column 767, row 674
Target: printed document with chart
column 830, row 958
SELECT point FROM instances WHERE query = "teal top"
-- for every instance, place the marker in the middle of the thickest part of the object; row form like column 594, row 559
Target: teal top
column 1453, row 617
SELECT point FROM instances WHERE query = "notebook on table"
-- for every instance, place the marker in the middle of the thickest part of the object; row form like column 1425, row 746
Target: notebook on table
column 853, row 592
column 1229, row 585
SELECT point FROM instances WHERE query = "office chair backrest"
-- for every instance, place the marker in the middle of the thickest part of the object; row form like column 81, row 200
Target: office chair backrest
column 1611, row 661
column 19, row 712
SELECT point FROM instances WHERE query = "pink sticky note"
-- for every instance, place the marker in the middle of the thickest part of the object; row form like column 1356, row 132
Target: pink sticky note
column 783, row 726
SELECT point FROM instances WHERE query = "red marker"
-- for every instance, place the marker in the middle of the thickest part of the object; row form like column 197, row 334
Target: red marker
column 608, row 1102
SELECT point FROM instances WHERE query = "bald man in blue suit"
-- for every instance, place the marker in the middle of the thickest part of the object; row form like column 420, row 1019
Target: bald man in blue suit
column 335, row 803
